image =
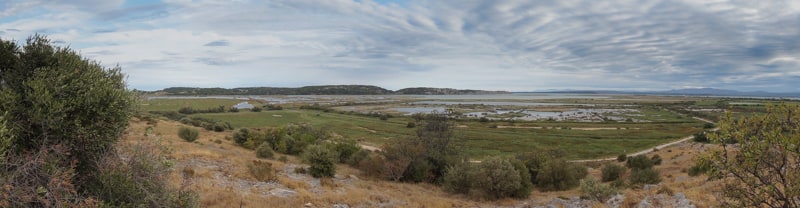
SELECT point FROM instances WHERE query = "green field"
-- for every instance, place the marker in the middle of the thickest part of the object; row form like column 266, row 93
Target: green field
column 482, row 139
column 175, row 104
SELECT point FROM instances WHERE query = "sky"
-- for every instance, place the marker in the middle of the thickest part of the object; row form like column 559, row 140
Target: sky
column 514, row 45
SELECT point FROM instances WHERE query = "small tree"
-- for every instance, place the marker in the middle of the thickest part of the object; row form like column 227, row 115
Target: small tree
column 240, row 136
column 558, row 174
column 644, row 176
column 763, row 168
column 321, row 160
column 188, row 134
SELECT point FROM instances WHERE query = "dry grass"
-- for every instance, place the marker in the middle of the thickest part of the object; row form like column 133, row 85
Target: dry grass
column 221, row 177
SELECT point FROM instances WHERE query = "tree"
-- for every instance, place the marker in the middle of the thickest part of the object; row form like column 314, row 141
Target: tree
column 53, row 96
column 759, row 162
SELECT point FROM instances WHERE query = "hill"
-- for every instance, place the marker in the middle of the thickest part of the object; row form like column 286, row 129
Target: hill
column 319, row 90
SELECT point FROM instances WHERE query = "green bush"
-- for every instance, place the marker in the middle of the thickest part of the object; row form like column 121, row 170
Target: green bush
column 188, row 134
column 534, row 162
column 611, row 172
column 594, row 190
column 256, row 109
column 345, row 149
column 622, row 158
column 493, row 178
column 53, row 96
column 459, row 178
column 264, row 151
column 558, row 175
column 644, row 176
column 701, row 137
column 639, row 162
column 240, row 136
column 411, row 125
column 321, row 160
column 357, row 157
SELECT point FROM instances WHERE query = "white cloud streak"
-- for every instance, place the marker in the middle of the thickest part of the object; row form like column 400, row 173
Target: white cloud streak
column 503, row 44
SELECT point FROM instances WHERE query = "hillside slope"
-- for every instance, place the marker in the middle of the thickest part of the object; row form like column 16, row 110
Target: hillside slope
column 218, row 170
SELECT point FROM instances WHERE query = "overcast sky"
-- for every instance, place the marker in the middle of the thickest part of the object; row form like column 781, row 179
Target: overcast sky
column 523, row 45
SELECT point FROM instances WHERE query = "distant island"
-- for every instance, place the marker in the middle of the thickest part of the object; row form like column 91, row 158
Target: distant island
column 320, row 90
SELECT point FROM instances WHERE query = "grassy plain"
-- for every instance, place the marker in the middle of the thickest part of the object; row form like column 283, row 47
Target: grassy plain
column 175, row 104
column 483, row 139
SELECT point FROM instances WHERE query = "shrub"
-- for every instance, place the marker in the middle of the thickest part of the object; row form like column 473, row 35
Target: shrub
column 219, row 127
column 262, row 171
column 611, row 172
column 241, row 135
column 264, row 151
column 656, row 159
column 483, row 120
column 622, row 158
column 700, row 167
column 708, row 126
column 459, row 178
column 534, row 163
column 139, row 177
column 345, row 149
column 644, row 176
column 701, row 137
column 188, row 134
column 411, row 125
column 592, row 189
column 639, row 162
column 233, row 110
column 373, row 166
column 256, row 109
column 321, row 160
column 558, row 174
column 357, row 157
column 53, row 96
column 497, row 178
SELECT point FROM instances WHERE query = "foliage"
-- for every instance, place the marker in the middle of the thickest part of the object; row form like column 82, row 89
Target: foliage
column 321, row 160
column 190, row 110
column 54, row 96
column 357, row 157
column 264, row 151
column 611, row 172
column 493, row 178
column 656, row 159
column 411, row 125
column 534, row 163
column 622, row 158
column 345, row 149
column 644, row 176
column 424, row 158
column 256, row 109
column 188, row 134
column 639, row 162
column 593, row 189
column 762, row 168
column 241, row 135
column 262, row 171
column 558, row 174
column 138, row 176
column 701, row 137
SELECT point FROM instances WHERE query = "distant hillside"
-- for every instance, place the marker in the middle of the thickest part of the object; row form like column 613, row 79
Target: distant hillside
column 319, row 90
column 688, row 91
column 444, row 91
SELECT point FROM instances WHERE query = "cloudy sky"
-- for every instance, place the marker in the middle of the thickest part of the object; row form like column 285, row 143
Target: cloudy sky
column 511, row 45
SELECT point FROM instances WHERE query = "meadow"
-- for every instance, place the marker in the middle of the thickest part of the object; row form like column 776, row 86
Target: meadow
column 578, row 140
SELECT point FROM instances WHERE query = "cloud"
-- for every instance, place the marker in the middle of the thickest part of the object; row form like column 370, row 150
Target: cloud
column 504, row 44
column 217, row 43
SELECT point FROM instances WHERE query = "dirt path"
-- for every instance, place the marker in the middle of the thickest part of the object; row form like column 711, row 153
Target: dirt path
column 650, row 149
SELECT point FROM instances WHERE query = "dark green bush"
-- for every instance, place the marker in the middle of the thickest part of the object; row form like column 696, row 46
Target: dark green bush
column 240, row 136
column 345, row 149
column 558, row 175
column 357, row 157
column 321, row 160
column 264, row 151
column 644, row 176
column 639, row 162
column 493, row 178
column 188, row 134
column 701, row 137
column 256, row 109
column 622, row 158
column 459, row 178
column 411, row 125
column 611, row 172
